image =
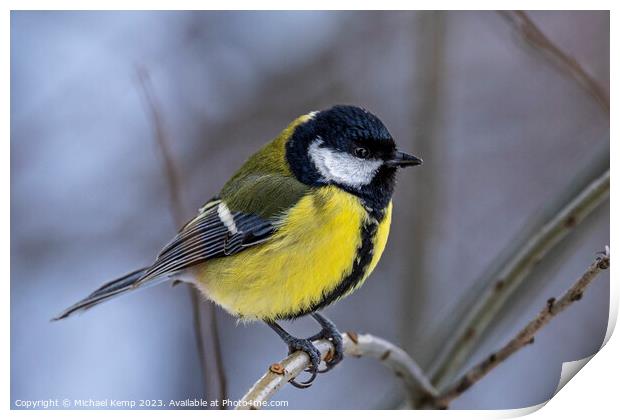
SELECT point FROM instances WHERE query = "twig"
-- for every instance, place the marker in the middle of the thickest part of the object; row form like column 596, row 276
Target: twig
column 524, row 337
column 429, row 60
column 355, row 345
column 567, row 64
column 170, row 170
column 177, row 214
column 510, row 274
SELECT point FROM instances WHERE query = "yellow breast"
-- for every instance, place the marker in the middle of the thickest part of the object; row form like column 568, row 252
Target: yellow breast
column 311, row 252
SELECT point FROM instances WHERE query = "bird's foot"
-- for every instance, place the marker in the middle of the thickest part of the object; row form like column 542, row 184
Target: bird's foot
column 328, row 332
column 305, row 345
column 331, row 333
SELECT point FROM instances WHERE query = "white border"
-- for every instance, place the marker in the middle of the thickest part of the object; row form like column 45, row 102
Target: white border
column 593, row 394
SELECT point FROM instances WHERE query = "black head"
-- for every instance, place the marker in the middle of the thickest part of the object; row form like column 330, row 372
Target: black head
column 349, row 147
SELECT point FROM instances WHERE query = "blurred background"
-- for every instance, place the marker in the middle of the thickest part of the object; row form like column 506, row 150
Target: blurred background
column 501, row 130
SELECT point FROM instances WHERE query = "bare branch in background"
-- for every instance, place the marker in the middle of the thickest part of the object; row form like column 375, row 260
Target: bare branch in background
column 170, row 171
column 355, row 345
column 567, row 64
column 176, row 210
column 523, row 337
column 511, row 274
column 427, row 83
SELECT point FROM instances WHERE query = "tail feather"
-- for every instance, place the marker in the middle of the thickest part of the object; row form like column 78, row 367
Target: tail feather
column 105, row 292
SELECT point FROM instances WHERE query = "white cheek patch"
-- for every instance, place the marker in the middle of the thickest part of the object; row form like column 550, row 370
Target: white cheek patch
column 342, row 168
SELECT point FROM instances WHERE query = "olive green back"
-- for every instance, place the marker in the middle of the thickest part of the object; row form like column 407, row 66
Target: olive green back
column 265, row 185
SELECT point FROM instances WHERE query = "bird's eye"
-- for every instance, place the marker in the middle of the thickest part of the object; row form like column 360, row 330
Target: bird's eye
column 361, row 152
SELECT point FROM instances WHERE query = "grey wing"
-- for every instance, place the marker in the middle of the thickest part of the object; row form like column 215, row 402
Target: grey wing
column 215, row 232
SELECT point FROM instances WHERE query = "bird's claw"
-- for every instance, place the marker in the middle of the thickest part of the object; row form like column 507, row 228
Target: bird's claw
column 305, row 345
column 332, row 334
column 328, row 332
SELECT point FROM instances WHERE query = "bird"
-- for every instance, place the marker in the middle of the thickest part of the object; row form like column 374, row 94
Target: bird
column 299, row 226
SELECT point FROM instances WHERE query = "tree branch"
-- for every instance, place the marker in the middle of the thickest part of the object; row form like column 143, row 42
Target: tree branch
column 523, row 337
column 428, row 81
column 511, row 273
column 177, row 213
column 531, row 33
column 355, row 345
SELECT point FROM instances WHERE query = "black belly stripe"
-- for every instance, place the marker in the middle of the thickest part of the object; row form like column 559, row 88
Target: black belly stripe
column 360, row 265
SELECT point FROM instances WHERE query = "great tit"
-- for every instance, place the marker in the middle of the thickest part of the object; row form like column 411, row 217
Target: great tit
column 301, row 224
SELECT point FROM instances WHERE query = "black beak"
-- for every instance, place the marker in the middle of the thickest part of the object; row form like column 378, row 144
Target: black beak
column 400, row 160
